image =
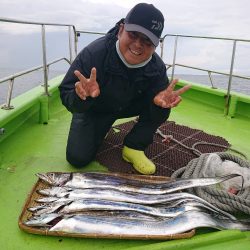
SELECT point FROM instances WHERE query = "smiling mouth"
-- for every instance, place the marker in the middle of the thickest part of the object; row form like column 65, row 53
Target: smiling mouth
column 134, row 52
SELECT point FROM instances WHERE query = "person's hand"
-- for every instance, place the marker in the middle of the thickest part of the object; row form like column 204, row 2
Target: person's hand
column 87, row 87
column 168, row 98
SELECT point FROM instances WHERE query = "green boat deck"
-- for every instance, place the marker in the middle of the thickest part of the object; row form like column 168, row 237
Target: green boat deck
column 33, row 147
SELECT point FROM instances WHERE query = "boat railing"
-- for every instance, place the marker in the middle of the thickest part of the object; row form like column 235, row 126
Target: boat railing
column 45, row 65
column 76, row 33
column 230, row 74
column 12, row 78
column 79, row 32
column 208, row 71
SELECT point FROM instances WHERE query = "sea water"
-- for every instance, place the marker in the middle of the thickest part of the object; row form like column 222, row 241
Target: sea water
column 26, row 82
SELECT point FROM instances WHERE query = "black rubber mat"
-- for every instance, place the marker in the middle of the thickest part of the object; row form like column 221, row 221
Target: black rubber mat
column 168, row 157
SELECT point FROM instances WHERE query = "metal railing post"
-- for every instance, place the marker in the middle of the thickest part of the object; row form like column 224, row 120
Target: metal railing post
column 211, row 80
column 7, row 105
column 162, row 47
column 76, row 42
column 45, row 69
column 230, row 79
column 174, row 57
column 70, row 45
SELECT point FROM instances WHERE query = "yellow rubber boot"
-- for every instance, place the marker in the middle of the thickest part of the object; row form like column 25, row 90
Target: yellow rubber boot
column 139, row 160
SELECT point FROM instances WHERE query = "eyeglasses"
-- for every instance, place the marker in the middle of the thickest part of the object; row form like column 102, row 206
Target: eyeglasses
column 133, row 35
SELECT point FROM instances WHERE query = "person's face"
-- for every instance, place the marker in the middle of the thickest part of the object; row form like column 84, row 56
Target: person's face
column 134, row 46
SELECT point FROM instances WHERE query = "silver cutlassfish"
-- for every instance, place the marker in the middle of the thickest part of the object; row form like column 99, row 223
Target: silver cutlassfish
column 100, row 180
column 87, row 224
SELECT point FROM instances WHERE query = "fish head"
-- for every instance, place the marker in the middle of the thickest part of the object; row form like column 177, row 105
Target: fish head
column 47, row 199
column 45, row 220
column 54, row 179
column 55, row 191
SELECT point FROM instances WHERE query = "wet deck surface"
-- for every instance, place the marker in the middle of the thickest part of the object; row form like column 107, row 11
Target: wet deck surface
column 41, row 148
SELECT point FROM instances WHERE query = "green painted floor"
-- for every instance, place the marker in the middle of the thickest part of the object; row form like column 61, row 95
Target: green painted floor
column 41, row 148
column 212, row 121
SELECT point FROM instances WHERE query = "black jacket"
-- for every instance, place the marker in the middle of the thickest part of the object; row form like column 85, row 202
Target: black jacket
column 119, row 85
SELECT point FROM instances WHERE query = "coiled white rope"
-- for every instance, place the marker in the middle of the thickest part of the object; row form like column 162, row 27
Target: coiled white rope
column 222, row 199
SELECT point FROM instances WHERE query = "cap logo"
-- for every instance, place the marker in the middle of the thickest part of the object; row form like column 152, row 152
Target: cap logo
column 156, row 25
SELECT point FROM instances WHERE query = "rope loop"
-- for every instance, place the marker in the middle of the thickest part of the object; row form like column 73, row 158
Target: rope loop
column 222, row 199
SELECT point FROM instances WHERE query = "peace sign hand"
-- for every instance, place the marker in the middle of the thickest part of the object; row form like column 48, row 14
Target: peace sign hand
column 168, row 98
column 87, row 87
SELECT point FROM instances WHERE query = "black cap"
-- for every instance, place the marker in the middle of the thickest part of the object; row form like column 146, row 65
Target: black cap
column 146, row 19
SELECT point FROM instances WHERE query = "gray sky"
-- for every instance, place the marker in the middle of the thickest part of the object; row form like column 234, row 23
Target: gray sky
column 223, row 18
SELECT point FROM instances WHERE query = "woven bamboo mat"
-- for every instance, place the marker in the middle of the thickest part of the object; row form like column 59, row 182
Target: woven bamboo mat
column 167, row 157
column 33, row 195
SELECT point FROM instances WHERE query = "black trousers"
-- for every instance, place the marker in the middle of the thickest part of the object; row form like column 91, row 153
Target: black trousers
column 88, row 130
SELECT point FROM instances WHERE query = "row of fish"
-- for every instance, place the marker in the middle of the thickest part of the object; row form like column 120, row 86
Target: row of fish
column 99, row 203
